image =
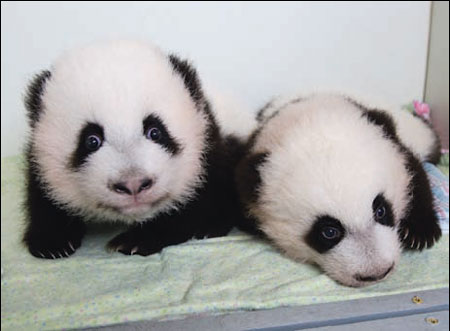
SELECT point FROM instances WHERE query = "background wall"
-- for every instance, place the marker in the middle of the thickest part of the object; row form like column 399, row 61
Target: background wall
column 436, row 89
column 254, row 50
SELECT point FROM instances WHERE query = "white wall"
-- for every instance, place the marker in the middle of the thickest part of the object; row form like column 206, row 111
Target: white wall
column 255, row 50
column 437, row 83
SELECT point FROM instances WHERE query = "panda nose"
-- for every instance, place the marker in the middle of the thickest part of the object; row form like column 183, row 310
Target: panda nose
column 132, row 186
column 374, row 278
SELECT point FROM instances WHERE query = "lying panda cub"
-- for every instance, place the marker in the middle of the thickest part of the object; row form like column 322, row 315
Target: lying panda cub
column 331, row 182
column 122, row 132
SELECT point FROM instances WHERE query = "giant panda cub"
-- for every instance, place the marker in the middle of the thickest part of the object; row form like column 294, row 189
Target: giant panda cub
column 332, row 182
column 121, row 132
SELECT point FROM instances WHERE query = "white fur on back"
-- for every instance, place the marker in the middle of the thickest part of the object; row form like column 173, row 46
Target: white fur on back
column 231, row 114
column 116, row 85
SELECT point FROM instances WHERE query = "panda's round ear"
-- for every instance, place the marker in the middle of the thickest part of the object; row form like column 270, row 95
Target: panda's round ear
column 33, row 97
column 189, row 76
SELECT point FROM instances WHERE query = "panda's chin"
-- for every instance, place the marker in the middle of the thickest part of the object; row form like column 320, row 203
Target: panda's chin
column 136, row 210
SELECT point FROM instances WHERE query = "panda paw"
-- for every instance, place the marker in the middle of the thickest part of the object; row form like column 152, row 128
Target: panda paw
column 54, row 242
column 54, row 250
column 134, row 242
column 420, row 236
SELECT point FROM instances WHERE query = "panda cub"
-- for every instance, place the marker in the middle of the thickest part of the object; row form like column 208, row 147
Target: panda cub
column 121, row 132
column 332, row 182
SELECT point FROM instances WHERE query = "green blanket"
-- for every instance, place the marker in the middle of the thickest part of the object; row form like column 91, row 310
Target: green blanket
column 218, row 275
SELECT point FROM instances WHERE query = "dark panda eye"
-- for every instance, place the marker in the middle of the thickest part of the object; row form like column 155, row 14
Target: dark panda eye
column 153, row 134
column 93, row 142
column 326, row 232
column 382, row 211
column 330, row 233
column 155, row 130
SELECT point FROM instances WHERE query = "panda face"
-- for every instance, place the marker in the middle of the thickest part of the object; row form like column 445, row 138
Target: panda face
column 119, row 136
column 332, row 189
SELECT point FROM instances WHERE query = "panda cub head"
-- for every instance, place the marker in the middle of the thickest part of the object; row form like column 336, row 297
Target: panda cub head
column 119, row 131
column 328, row 182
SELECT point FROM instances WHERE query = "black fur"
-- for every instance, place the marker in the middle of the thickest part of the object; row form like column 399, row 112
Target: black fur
column 388, row 219
column 33, row 102
column 248, row 176
column 166, row 140
column 51, row 231
column 81, row 153
column 247, row 181
column 383, row 120
column 420, row 227
column 317, row 241
column 189, row 75
column 192, row 83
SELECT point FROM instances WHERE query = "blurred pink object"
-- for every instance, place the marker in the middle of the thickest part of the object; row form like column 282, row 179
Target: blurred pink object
column 422, row 109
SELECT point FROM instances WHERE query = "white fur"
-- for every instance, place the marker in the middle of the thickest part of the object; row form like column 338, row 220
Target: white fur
column 117, row 84
column 327, row 159
column 412, row 131
column 233, row 117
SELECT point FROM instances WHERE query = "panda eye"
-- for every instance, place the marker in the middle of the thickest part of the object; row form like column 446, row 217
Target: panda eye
column 380, row 213
column 153, row 134
column 93, row 142
column 330, row 233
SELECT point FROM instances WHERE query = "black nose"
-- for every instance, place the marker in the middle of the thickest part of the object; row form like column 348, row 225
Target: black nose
column 374, row 278
column 132, row 186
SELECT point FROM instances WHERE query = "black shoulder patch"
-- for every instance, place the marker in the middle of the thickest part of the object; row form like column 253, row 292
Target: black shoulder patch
column 189, row 75
column 33, row 102
column 379, row 118
column 383, row 120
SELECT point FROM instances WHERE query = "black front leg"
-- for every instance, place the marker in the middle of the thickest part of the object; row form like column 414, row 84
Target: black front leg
column 51, row 232
column 420, row 228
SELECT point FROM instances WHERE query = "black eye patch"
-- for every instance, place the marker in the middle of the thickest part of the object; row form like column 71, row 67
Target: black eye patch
column 85, row 143
column 164, row 137
column 382, row 211
column 325, row 233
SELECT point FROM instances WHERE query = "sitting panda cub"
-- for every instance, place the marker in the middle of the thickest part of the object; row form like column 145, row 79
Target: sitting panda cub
column 332, row 182
column 122, row 132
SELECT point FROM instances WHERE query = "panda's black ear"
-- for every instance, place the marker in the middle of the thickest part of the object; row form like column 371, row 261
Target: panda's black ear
column 383, row 120
column 33, row 97
column 420, row 228
column 189, row 75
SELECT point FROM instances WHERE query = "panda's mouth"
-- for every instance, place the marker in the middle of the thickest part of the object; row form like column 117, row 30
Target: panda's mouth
column 135, row 207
